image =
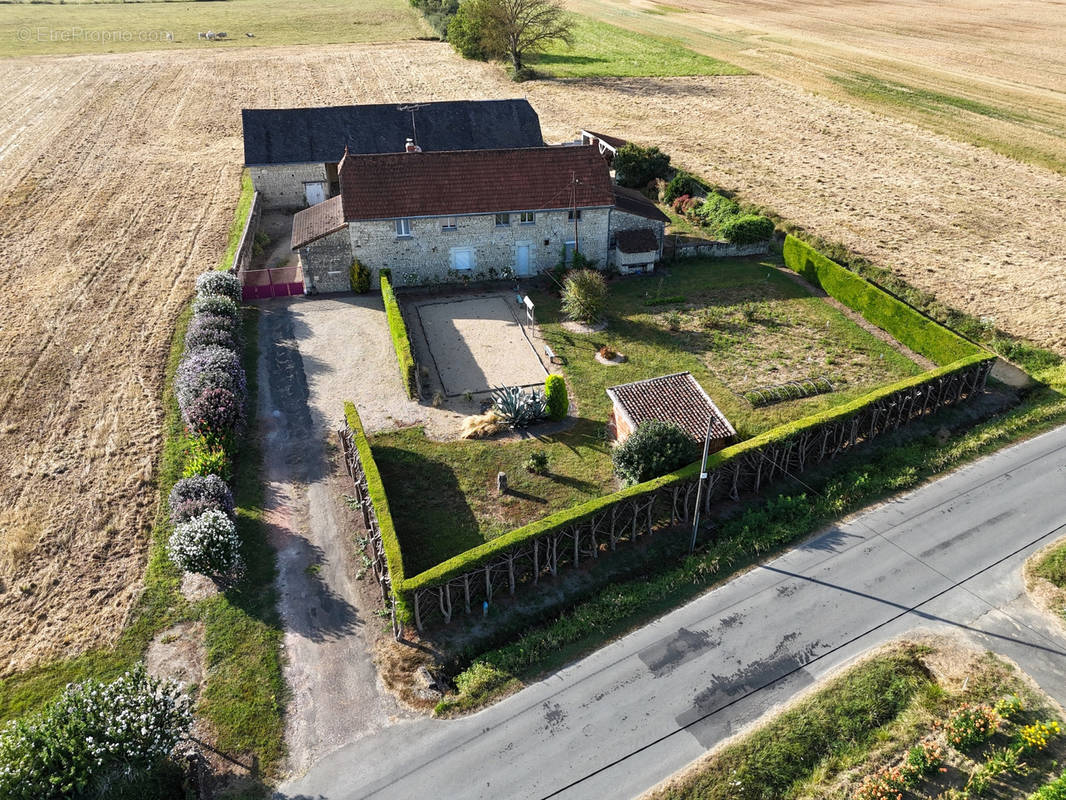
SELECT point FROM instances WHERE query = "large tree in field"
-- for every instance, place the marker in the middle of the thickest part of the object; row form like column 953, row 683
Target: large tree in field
column 509, row 28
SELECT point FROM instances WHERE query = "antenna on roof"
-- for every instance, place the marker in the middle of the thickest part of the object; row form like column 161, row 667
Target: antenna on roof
column 413, row 108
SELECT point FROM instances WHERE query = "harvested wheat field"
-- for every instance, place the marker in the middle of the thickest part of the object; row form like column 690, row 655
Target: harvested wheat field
column 118, row 178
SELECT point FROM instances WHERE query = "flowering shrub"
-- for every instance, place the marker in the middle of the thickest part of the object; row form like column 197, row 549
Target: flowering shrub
column 207, row 544
column 1034, row 738
column 190, row 497
column 889, row 782
column 1008, row 706
column 91, row 730
column 209, row 368
column 215, row 414
column 199, row 336
column 216, row 282
column 203, row 458
column 217, row 305
column 970, row 725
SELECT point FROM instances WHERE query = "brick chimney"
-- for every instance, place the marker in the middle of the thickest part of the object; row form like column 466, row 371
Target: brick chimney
column 412, row 147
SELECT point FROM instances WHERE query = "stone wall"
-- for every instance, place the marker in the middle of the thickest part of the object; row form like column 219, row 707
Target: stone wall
column 624, row 221
column 716, row 250
column 326, row 262
column 425, row 256
column 283, row 186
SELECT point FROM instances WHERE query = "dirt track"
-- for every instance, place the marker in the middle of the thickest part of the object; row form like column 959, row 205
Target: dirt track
column 118, row 176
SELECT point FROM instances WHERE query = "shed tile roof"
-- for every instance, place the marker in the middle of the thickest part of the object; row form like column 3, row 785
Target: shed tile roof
column 674, row 398
column 317, row 221
column 472, row 182
column 319, row 135
column 639, row 240
column 633, row 202
column 613, row 141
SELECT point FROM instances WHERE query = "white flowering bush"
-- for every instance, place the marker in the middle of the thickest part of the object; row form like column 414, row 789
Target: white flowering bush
column 93, row 730
column 217, row 282
column 207, row 544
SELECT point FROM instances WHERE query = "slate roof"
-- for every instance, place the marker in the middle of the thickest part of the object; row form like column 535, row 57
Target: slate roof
column 472, row 182
column 319, row 135
column 633, row 202
column 317, row 221
column 674, row 398
column 639, row 240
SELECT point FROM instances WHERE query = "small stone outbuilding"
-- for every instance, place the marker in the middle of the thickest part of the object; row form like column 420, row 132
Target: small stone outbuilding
column 676, row 398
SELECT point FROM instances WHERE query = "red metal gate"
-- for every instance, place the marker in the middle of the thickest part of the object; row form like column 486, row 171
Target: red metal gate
column 278, row 282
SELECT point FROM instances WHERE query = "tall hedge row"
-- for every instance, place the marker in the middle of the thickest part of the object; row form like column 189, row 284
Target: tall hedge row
column 378, row 498
column 400, row 340
column 918, row 332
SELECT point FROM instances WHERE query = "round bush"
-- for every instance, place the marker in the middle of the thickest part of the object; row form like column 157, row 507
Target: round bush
column 207, row 544
column 584, row 295
column 190, row 497
column 93, row 730
column 217, row 305
column 653, row 449
column 215, row 322
column 204, row 458
column 217, row 282
column 215, row 414
column 200, row 370
column 683, row 183
column 198, row 337
column 555, row 398
column 747, row 229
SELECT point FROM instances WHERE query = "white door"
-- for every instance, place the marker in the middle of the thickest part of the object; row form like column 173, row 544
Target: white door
column 315, row 193
column 521, row 266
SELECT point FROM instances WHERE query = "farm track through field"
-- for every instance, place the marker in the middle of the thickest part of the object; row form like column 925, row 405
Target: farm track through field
column 118, row 177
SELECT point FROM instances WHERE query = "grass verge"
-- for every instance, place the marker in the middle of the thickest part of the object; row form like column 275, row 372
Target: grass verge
column 600, row 50
column 877, row 471
column 891, row 709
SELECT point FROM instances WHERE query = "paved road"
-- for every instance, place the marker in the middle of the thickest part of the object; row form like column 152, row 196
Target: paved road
column 946, row 557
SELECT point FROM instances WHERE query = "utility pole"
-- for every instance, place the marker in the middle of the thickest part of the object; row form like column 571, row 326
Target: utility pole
column 699, row 486
column 573, row 207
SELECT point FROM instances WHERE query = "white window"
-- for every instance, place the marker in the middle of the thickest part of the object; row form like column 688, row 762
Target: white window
column 403, row 227
column 572, row 214
column 463, row 258
column 526, row 218
column 503, row 220
column 447, row 224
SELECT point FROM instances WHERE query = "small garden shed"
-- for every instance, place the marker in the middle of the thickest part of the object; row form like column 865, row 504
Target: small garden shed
column 676, row 398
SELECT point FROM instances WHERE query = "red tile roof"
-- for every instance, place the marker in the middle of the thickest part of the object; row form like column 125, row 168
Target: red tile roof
column 672, row 398
column 472, row 182
column 317, row 221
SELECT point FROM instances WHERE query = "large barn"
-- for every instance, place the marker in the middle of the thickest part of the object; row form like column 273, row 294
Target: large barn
column 292, row 154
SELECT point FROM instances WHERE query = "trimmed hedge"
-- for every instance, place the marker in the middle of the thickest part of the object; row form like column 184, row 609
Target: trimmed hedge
column 555, row 397
column 918, row 332
column 390, row 543
column 400, row 340
column 747, row 229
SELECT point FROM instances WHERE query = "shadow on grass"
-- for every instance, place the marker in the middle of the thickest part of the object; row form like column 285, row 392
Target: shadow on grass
column 433, row 519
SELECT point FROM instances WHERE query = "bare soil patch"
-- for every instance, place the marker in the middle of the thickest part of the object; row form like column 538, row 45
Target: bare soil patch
column 118, row 178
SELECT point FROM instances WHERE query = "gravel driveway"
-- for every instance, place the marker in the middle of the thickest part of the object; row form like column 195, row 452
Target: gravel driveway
column 313, row 355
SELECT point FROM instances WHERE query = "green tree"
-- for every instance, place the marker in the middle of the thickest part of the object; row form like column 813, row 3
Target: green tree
column 636, row 166
column 509, row 29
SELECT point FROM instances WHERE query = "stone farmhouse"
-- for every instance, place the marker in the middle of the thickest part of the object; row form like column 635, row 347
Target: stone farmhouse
column 445, row 217
column 293, row 154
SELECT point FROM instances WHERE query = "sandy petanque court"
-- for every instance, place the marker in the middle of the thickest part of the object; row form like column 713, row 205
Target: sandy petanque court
column 477, row 343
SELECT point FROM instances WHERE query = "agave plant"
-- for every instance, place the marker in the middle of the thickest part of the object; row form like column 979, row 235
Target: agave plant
column 518, row 408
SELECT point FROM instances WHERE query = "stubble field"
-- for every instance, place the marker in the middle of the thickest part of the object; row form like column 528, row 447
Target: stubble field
column 118, row 177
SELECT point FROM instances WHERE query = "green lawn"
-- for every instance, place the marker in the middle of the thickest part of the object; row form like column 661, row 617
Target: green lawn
column 600, row 50
column 742, row 323
column 47, row 28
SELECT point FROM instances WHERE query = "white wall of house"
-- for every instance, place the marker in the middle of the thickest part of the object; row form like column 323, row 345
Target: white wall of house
column 476, row 246
column 286, row 185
